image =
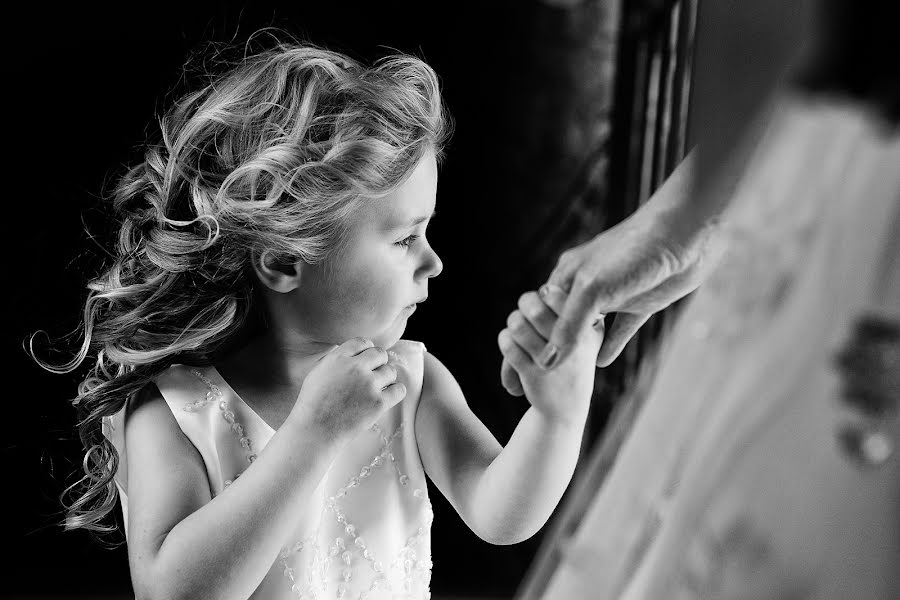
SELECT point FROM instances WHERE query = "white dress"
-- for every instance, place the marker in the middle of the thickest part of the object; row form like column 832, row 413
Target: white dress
column 368, row 535
column 733, row 482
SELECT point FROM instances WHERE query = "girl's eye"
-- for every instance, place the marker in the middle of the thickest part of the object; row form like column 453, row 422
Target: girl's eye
column 407, row 242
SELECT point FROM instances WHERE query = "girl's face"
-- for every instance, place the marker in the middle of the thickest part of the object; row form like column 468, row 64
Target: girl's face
column 372, row 287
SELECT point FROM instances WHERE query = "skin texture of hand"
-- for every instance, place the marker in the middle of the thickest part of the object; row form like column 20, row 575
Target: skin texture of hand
column 562, row 395
column 635, row 269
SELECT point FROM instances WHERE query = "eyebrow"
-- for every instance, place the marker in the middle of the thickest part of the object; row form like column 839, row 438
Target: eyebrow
column 414, row 222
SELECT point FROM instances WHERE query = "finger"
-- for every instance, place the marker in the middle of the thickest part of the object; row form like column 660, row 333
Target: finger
column 611, row 285
column 538, row 313
column 623, row 328
column 393, row 394
column 373, row 357
column 564, row 272
column 330, row 351
column 516, row 356
column 525, row 335
column 510, row 379
column 553, row 297
column 577, row 314
column 385, row 375
column 354, row 346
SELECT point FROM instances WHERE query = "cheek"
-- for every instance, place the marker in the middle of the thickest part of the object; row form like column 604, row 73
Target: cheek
column 373, row 287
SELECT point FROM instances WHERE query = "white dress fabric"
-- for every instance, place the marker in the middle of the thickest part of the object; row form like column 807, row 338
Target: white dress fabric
column 368, row 531
column 732, row 482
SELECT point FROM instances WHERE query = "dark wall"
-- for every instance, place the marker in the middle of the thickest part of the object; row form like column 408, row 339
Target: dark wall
column 82, row 89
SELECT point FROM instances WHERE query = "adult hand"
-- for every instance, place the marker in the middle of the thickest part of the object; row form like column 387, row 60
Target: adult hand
column 634, row 269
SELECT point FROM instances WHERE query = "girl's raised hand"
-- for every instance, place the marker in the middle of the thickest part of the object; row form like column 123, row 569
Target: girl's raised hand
column 564, row 393
column 350, row 388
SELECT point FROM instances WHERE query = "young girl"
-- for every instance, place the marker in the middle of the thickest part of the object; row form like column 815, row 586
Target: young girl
column 265, row 427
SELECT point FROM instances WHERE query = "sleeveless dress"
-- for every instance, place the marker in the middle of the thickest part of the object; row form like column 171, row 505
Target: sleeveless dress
column 735, row 481
column 368, row 533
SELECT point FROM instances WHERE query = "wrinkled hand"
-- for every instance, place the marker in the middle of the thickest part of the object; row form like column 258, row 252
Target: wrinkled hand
column 634, row 269
column 562, row 395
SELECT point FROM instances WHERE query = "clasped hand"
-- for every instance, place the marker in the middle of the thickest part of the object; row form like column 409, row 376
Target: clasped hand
column 562, row 395
column 634, row 269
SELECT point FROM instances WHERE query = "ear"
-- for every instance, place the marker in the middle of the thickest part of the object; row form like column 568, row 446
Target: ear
column 278, row 276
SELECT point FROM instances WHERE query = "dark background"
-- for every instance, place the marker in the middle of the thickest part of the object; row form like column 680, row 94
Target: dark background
column 543, row 156
column 83, row 87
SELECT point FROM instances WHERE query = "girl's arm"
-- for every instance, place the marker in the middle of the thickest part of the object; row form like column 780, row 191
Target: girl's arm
column 504, row 494
column 183, row 544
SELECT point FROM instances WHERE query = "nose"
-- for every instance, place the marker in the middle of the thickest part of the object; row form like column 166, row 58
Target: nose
column 432, row 264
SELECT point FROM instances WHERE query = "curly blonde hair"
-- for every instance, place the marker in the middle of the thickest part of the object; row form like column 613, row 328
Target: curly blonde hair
column 273, row 154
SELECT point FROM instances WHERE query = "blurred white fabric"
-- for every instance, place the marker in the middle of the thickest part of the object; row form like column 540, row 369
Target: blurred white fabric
column 731, row 483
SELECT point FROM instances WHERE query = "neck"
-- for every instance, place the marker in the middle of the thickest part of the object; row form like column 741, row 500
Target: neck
column 274, row 360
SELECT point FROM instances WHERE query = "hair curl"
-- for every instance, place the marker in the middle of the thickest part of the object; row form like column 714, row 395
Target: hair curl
column 273, row 154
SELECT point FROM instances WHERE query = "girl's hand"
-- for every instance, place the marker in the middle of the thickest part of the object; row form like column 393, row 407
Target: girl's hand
column 563, row 394
column 350, row 388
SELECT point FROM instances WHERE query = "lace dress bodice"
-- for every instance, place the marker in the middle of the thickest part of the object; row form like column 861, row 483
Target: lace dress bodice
column 367, row 533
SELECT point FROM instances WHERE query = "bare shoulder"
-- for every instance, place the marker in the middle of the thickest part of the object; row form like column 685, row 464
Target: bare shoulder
column 432, row 365
column 167, row 478
column 437, row 377
column 436, row 370
column 149, row 422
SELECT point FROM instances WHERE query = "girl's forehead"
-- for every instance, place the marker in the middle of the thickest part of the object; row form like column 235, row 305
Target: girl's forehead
column 388, row 216
column 409, row 204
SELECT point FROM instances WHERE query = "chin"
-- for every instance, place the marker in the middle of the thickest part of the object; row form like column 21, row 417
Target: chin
column 386, row 341
column 390, row 336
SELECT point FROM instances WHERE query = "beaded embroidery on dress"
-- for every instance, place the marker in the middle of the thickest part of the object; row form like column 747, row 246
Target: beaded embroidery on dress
column 368, row 524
